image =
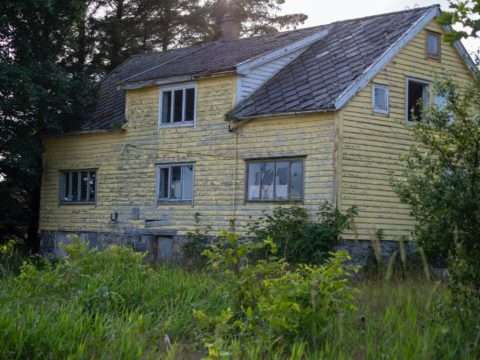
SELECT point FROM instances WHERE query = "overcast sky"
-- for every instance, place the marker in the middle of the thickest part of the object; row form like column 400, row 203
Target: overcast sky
column 323, row 12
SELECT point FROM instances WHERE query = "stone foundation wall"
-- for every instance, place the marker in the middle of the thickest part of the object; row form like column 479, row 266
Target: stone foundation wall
column 163, row 246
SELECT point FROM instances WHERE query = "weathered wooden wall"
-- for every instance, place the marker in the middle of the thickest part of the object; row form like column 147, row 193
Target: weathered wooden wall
column 126, row 164
column 372, row 144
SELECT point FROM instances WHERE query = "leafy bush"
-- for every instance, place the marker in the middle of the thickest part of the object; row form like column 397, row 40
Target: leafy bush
column 197, row 242
column 99, row 304
column 273, row 303
column 299, row 238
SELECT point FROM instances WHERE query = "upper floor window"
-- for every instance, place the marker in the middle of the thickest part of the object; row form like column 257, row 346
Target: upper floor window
column 177, row 105
column 418, row 98
column 434, row 41
column 380, row 98
column 175, row 182
column 78, row 187
column 275, row 180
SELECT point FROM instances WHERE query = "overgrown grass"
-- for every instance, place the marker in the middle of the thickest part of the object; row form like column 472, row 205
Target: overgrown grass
column 110, row 305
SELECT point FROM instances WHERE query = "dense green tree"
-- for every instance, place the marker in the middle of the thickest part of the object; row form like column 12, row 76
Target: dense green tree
column 441, row 178
column 38, row 94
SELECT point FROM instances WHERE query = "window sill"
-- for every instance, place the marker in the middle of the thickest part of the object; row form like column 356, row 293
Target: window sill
column 175, row 202
column 275, row 202
column 179, row 125
column 65, row 203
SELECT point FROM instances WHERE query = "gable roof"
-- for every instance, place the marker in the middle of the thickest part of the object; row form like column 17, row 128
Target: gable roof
column 203, row 59
column 323, row 78
column 332, row 70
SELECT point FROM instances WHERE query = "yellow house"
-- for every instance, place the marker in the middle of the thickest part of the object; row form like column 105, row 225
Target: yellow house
column 218, row 133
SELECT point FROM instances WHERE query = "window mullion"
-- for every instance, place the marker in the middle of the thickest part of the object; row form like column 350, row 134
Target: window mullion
column 79, row 186
column 262, row 169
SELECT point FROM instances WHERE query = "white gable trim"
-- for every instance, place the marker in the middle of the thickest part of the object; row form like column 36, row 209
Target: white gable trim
column 393, row 50
column 244, row 67
column 385, row 59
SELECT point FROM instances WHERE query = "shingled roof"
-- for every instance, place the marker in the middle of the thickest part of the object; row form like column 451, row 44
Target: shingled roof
column 312, row 82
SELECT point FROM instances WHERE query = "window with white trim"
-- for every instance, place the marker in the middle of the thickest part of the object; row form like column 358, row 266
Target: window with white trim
column 175, row 182
column 418, row 99
column 275, row 180
column 381, row 99
column 78, row 187
column 177, row 105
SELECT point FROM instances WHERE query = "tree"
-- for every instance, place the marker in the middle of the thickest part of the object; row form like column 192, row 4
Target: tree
column 441, row 181
column 133, row 26
column 38, row 94
column 257, row 17
column 464, row 13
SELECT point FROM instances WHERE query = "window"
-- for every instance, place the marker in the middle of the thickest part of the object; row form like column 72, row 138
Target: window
column 175, row 182
column 79, row 187
column 380, row 98
column 177, row 106
column 418, row 98
column 434, row 45
column 275, row 180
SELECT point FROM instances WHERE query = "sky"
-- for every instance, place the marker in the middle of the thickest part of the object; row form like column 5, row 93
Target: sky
column 322, row 12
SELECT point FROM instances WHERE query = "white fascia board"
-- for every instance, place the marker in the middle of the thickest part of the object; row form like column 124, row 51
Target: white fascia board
column 245, row 67
column 458, row 45
column 386, row 58
column 160, row 82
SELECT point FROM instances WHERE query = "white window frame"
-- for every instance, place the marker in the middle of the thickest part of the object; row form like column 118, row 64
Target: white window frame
column 170, row 166
column 387, row 94
column 172, row 89
column 407, row 95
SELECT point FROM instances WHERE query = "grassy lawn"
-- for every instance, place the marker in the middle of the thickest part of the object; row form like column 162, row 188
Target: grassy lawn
column 111, row 306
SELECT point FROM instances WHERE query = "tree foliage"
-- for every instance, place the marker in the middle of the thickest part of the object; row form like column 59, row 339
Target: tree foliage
column 465, row 13
column 38, row 93
column 441, row 181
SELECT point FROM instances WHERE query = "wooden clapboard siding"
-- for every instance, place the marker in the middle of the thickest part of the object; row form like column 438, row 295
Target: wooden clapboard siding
column 372, row 144
column 126, row 164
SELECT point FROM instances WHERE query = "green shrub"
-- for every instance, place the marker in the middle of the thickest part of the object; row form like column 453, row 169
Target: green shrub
column 99, row 304
column 273, row 303
column 301, row 239
column 197, row 242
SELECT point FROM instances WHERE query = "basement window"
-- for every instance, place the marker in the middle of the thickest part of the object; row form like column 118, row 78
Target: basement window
column 279, row 180
column 418, row 98
column 175, row 182
column 380, row 98
column 78, row 187
column 434, row 41
column 177, row 106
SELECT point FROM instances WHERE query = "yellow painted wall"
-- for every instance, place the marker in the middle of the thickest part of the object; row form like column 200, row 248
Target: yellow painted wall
column 373, row 144
column 126, row 164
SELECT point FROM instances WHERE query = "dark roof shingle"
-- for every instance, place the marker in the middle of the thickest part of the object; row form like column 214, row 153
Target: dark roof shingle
column 311, row 82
